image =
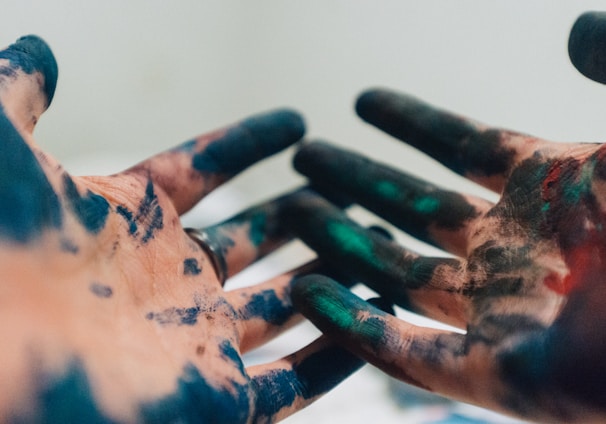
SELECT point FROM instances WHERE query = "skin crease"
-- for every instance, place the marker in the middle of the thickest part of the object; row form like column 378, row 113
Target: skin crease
column 526, row 284
column 109, row 312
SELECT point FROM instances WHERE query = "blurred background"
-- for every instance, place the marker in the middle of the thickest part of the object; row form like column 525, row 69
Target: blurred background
column 138, row 77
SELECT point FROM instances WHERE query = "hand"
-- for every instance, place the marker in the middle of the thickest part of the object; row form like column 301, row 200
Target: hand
column 109, row 311
column 526, row 283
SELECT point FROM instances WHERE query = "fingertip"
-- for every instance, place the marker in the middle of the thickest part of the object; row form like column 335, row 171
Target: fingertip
column 587, row 45
column 283, row 126
column 31, row 53
column 249, row 141
column 369, row 100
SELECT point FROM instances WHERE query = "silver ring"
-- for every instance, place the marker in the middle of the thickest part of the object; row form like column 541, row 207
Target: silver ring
column 212, row 249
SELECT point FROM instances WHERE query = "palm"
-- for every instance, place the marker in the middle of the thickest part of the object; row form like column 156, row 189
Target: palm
column 110, row 312
column 525, row 281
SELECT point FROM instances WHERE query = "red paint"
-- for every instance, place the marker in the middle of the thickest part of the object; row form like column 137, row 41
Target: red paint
column 583, row 261
column 553, row 176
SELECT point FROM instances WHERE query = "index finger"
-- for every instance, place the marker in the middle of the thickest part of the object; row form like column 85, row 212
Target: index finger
column 190, row 171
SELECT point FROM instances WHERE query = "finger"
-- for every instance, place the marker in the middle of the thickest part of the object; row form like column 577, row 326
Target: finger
column 439, row 217
column 28, row 77
column 292, row 383
column 248, row 236
column 436, row 360
column 430, row 286
column 484, row 155
column 265, row 310
column 587, row 45
column 190, row 171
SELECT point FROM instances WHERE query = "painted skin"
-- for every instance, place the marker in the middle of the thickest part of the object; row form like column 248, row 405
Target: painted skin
column 527, row 280
column 109, row 312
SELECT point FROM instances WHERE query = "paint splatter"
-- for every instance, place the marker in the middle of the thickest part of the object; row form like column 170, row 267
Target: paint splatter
column 191, row 267
column 148, row 219
column 101, row 290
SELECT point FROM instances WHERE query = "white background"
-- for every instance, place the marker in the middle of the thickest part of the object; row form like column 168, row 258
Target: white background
column 138, row 77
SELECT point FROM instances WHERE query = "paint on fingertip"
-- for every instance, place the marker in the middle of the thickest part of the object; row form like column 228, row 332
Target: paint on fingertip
column 101, row 290
column 250, row 141
column 31, row 54
column 191, row 267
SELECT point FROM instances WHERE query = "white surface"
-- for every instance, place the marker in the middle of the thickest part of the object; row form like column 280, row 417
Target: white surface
column 137, row 77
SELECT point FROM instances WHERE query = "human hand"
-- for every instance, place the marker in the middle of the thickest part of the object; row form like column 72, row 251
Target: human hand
column 109, row 311
column 526, row 282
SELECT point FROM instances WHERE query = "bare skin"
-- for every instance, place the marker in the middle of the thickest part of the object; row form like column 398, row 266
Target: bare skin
column 526, row 281
column 109, row 312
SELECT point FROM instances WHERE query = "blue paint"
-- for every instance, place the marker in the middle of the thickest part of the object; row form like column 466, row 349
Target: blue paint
column 64, row 399
column 150, row 213
column 128, row 217
column 269, row 307
column 69, row 246
column 313, row 376
column 250, row 141
column 197, row 401
column 101, row 290
column 31, row 54
column 229, row 352
column 29, row 205
column 69, row 399
column 187, row 147
column 148, row 218
column 177, row 316
column 91, row 209
column 191, row 267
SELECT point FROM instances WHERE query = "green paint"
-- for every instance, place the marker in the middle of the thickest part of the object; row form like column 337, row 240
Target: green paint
column 257, row 229
column 426, row 205
column 574, row 192
column 337, row 314
column 545, row 207
column 351, row 241
column 387, row 189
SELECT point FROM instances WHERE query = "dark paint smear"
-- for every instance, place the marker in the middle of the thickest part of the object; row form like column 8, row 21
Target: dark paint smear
column 451, row 140
column 250, row 141
column 31, row 54
column 128, row 217
column 69, row 247
column 268, row 307
column 191, row 267
column 196, row 401
column 312, row 377
column 150, row 213
column 229, row 352
column 586, row 45
column 176, row 316
column 522, row 198
column 91, row 210
column 29, row 203
column 496, row 328
column 67, row 399
column 410, row 204
column 149, row 216
column 101, row 290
